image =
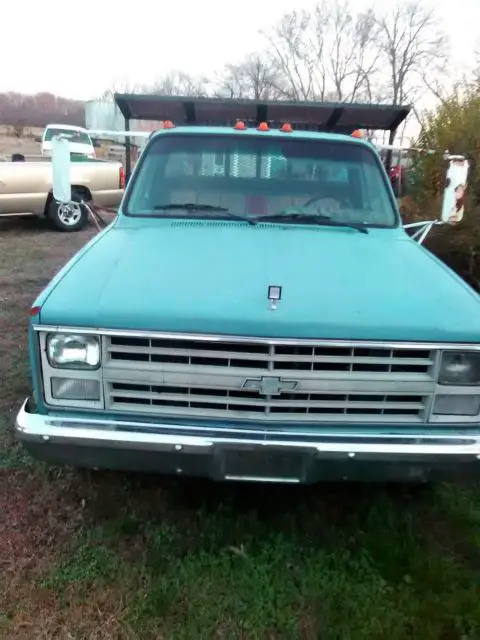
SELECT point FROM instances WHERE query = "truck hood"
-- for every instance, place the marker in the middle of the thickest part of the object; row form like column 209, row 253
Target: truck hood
column 213, row 277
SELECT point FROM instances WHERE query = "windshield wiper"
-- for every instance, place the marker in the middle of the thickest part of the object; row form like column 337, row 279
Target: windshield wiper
column 315, row 218
column 192, row 207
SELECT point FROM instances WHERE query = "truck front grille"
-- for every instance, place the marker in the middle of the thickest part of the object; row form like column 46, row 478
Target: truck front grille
column 271, row 381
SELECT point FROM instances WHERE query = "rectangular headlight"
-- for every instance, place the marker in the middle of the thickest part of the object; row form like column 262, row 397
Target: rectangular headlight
column 457, row 405
column 460, row 368
column 75, row 389
column 72, row 351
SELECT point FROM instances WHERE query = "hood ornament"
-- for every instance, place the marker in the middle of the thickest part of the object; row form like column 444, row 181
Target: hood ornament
column 274, row 295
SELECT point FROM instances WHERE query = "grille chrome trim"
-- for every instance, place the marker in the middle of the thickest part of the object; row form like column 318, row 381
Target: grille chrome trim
column 205, row 337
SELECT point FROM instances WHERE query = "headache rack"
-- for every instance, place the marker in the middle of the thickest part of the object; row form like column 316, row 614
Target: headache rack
column 307, row 116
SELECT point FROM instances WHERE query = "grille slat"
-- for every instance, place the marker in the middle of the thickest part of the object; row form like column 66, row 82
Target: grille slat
column 132, row 353
column 203, row 378
column 314, row 358
column 190, row 395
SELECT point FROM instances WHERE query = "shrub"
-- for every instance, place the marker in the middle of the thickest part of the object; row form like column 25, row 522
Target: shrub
column 455, row 127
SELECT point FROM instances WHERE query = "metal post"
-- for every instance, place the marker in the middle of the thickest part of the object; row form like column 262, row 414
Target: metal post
column 388, row 163
column 128, row 149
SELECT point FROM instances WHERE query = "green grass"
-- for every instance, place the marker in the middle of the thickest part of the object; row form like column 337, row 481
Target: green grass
column 14, row 389
column 292, row 570
column 12, row 455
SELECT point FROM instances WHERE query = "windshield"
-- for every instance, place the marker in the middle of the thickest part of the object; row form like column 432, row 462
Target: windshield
column 254, row 176
column 79, row 137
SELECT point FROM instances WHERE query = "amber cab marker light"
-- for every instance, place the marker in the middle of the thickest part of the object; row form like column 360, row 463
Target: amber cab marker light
column 263, row 126
column 240, row 125
column 357, row 134
column 34, row 311
column 286, row 128
column 168, row 124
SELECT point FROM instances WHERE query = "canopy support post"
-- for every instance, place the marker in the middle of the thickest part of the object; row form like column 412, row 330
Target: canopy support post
column 128, row 152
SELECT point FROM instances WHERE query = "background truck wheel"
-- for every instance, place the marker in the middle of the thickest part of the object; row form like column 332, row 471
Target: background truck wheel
column 67, row 217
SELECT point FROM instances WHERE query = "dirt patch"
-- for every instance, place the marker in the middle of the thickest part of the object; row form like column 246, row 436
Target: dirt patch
column 44, row 615
column 35, row 519
column 40, row 514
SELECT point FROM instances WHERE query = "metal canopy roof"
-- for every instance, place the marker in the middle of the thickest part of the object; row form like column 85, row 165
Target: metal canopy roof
column 319, row 116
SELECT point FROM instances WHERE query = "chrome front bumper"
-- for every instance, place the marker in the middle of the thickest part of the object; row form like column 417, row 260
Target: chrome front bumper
column 242, row 454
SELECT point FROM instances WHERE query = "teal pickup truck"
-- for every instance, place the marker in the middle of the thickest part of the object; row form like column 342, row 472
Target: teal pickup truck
column 257, row 312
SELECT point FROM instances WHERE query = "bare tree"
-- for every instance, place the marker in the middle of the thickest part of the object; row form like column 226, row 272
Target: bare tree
column 411, row 46
column 122, row 86
column 178, row 83
column 173, row 83
column 255, row 77
column 341, row 51
column 328, row 53
column 352, row 57
column 231, row 82
column 296, row 44
column 38, row 110
column 476, row 64
column 365, row 85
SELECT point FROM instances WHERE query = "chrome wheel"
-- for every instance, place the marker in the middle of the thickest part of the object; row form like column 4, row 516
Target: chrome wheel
column 69, row 214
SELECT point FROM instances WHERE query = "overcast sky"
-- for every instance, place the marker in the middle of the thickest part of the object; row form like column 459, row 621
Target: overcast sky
column 79, row 49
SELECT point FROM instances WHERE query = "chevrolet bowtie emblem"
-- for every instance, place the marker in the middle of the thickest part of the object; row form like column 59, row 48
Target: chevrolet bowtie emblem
column 274, row 295
column 269, row 386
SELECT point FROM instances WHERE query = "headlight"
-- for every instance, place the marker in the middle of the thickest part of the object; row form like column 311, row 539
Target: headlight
column 455, row 405
column 460, row 368
column 70, row 351
column 75, row 389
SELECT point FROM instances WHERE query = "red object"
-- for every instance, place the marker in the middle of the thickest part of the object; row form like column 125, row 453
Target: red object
column 121, row 178
column 397, row 172
column 34, row 311
column 286, row 128
column 240, row 126
column 168, row 124
column 263, row 126
column 357, row 134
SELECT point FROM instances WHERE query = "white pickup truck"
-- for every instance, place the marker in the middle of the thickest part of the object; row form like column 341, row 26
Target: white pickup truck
column 26, row 188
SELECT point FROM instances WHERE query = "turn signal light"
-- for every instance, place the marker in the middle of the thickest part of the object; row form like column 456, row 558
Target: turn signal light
column 263, row 126
column 286, row 128
column 240, row 126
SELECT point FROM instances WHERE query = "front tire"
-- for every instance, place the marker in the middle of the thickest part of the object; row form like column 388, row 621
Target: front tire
column 67, row 217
